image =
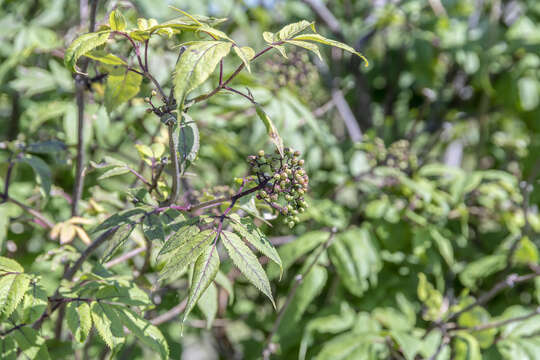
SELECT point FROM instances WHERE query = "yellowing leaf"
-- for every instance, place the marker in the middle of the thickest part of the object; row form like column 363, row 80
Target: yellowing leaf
column 270, row 128
column 82, row 45
column 321, row 39
column 195, row 66
column 117, row 20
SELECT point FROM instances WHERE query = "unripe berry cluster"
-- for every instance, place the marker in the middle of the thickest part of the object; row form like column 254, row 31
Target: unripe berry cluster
column 397, row 155
column 285, row 182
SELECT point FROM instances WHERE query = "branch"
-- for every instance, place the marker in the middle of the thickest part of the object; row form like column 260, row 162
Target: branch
column 500, row 323
column 124, row 257
column 298, row 279
column 325, row 15
column 39, row 216
column 510, row 281
column 170, row 315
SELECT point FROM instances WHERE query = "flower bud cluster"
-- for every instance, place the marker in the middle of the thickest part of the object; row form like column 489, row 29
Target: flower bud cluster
column 285, row 179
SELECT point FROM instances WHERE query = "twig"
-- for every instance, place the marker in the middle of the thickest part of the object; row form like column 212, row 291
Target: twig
column 510, row 281
column 48, row 223
column 326, row 15
column 124, row 257
column 170, row 315
column 500, row 323
column 298, row 279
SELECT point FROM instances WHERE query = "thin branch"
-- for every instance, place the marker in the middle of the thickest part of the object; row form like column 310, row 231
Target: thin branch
column 509, row 282
column 500, row 323
column 170, row 315
column 298, row 279
column 48, row 223
column 124, row 257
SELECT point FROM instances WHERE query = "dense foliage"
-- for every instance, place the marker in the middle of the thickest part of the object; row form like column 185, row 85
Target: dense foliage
column 191, row 186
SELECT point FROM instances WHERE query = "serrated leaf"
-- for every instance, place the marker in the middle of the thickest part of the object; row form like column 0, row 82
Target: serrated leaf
column 196, row 64
column 107, row 324
column 245, row 54
column 82, row 45
column 147, row 333
column 117, row 240
column 253, row 235
column 79, row 320
column 288, row 31
column 117, row 21
column 128, row 294
column 32, row 345
column 105, row 58
column 121, row 218
column 306, row 45
column 178, row 239
column 122, row 85
column 42, row 171
column 247, row 263
column 153, row 228
column 204, row 272
column 12, row 290
column 188, row 140
column 34, row 303
column 321, row 39
column 271, row 129
column 9, row 265
column 187, row 253
column 208, row 304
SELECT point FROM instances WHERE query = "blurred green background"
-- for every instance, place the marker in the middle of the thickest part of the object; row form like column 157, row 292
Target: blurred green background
column 426, row 162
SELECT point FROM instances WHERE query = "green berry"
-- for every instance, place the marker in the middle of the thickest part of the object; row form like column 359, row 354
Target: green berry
column 261, row 153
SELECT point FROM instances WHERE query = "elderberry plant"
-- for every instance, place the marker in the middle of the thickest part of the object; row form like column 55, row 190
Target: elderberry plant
column 183, row 230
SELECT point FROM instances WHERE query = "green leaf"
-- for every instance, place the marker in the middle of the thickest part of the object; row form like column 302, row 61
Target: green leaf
column 12, row 290
column 408, row 344
column 466, row 347
column 187, row 253
column 105, row 58
column 117, row 21
column 82, row 45
column 526, row 252
column 42, row 170
column 477, row 270
column 253, row 235
column 444, row 245
column 321, row 39
column 116, row 171
column 247, row 263
column 8, row 348
column 4, row 225
column 288, row 31
column 34, row 303
column 306, row 45
column 208, row 304
column 294, row 250
column 122, row 85
column 117, row 240
column 46, row 147
column 475, row 317
column 9, row 265
column 79, row 320
column 121, row 218
column 127, row 293
column 178, row 239
column 107, row 323
column 147, row 333
column 152, row 228
column 204, row 272
column 195, row 66
column 188, row 140
column 309, row 289
column 245, row 54
column 31, row 343
column 270, row 128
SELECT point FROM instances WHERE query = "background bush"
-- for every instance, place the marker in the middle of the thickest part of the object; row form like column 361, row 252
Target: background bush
column 420, row 239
